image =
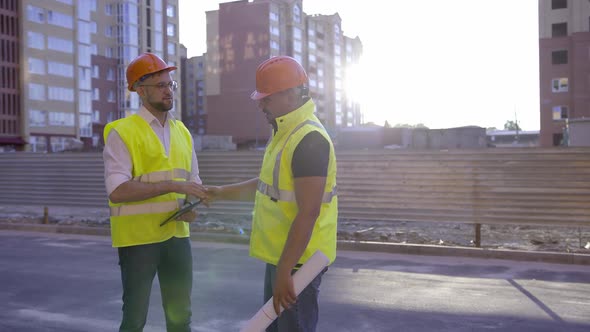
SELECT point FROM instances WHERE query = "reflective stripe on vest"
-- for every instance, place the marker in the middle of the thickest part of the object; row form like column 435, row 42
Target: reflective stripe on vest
column 289, row 196
column 284, row 195
column 177, row 173
column 147, row 208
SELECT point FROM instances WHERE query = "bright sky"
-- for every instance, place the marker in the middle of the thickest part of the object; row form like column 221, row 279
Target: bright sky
column 441, row 63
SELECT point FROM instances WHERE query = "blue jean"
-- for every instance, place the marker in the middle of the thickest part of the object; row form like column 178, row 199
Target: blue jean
column 301, row 316
column 172, row 261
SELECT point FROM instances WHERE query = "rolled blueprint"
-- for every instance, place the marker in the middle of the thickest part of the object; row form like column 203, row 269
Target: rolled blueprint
column 266, row 315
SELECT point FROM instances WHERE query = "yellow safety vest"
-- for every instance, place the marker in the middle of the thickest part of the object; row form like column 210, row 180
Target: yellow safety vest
column 275, row 206
column 136, row 223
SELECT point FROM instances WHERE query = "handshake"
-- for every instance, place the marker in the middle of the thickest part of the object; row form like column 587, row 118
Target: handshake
column 195, row 195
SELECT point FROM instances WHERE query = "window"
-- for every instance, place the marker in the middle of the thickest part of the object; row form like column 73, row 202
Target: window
column 95, row 73
column 108, row 9
column 559, row 29
column 36, row 91
column 296, row 14
column 85, row 125
column 38, row 143
column 96, row 116
column 60, row 44
column 297, row 46
column 111, row 97
column 37, row 118
column 296, row 33
column 61, row 69
column 35, row 40
column 36, row 66
column 110, row 74
column 274, row 16
column 95, row 94
column 171, row 49
column 274, row 45
column 560, row 112
column 274, row 30
column 158, row 5
column 159, row 42
column 61, row 119
column 84, row 75
column 558, row 4
column 35, row 14
column 559, row 84
column 61, row 93
column 158, row 22
column 170, row 11
column 60, row 19
column 559, row 57
column 171, row 30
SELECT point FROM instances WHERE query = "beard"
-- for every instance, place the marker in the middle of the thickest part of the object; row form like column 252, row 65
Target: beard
column 162, row 106
column 268, row 116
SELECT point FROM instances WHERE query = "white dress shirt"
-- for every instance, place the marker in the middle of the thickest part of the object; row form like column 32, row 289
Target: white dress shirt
column 117, row 160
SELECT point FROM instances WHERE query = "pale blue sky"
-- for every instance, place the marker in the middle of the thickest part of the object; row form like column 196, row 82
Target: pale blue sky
column 442, row 63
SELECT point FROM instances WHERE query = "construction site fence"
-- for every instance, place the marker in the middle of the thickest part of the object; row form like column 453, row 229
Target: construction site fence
column 480, row 186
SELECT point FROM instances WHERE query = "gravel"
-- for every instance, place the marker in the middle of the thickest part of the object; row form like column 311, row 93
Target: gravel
column 515, row 237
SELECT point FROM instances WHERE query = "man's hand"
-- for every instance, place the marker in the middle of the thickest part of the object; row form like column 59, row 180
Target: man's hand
column 214, row 193
column 192, row 189
column 283, row 292
column 188, row 216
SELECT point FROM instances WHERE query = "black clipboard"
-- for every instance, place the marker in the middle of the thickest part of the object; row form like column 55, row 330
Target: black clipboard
column 186, row 208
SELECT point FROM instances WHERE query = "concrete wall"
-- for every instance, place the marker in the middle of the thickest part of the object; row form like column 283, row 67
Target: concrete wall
column 579, row 132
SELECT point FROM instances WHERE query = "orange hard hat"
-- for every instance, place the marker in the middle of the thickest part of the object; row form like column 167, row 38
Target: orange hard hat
column 278, row 74
column 144, row 64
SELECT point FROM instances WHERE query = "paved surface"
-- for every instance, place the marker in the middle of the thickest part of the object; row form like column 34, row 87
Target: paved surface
column 60, row 282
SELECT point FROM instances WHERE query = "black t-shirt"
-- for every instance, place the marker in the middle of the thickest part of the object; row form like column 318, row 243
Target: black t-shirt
column 311, row 156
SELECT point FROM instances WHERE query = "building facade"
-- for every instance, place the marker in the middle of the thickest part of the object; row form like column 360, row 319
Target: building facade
column 564, row 41
column 73, row 58
column 194, row 114
column 11, row 111
column 242, row 34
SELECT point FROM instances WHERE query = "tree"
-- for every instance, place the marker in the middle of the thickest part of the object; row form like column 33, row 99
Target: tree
column 511, row 125
column 405, row 125
column 386, row 125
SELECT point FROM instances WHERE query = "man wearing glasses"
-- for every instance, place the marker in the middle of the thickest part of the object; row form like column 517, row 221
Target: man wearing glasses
column 150, row 171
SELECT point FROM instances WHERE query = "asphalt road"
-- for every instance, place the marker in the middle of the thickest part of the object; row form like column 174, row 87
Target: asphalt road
column 56, row 282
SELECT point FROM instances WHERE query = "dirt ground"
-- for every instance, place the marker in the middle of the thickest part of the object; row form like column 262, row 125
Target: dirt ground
column 516, row 237
column 526, row 237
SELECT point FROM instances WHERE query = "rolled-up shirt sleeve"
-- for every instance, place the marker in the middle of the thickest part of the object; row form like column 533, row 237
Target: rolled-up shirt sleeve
column 118, row 167
column 117, row 162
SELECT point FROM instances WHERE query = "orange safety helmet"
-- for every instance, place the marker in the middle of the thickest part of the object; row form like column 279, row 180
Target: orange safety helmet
column 144, row 64
column 278, row 74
